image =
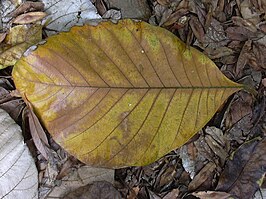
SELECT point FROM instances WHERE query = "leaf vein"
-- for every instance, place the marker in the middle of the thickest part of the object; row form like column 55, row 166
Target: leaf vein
column 141, row 47
column 165, row 111
column 116, row 126
column 182, row 118
column 151, row 107
column 112, row 61
column 86, row 114
column 124, row 50
column 168, row 62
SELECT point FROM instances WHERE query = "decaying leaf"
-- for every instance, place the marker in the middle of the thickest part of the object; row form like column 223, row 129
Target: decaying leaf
column 18, row 173
column 121, row 94
column 244, row 172
column 17, row 41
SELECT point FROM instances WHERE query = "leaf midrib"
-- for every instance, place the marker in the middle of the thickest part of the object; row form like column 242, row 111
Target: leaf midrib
column 120, row 87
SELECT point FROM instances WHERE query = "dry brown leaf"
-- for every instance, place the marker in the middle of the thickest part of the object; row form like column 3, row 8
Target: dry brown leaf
column 202, row 176
column 79, row 178
column 164, row 2
column 101, row 190
column 245, row 23
column 212, row 195
column 240, row 33
column 37, row 132
column 244, row 172
column 13, row 107
column 243, row 58
column 29, row 17
column 38, row 135
column 101, row 7
column 172, row 194
column 218, row 52
column 263, row 81
column 2, row 36
column 175, row 17
column 197, row 28
column 28, row 6
column 137, row 9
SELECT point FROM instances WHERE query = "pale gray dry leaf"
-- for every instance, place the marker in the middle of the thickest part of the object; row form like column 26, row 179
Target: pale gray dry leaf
column 62, row 15
column 192, row 158
column 6, row 8
column 112, row 14
column 260, row 194
column 81, row 177
column 18, row 173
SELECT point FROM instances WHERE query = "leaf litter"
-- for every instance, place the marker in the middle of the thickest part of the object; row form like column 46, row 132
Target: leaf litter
column 142, row 180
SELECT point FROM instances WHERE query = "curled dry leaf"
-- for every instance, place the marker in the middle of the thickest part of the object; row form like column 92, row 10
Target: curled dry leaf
column 18, row 173
column 126, row 103
column 38, row 134
column 29, row 17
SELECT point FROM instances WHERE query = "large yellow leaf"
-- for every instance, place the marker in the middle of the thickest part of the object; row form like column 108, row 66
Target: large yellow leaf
column 121, row 94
